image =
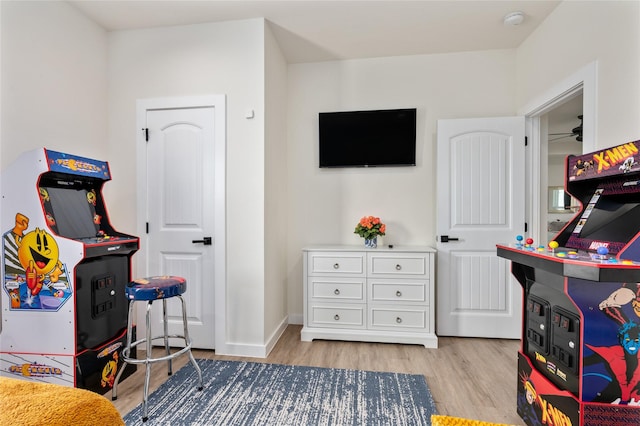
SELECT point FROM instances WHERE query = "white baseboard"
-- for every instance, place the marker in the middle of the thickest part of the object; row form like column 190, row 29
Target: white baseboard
column 255, row 351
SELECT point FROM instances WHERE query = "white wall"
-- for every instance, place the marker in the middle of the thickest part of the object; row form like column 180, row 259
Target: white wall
column 326, row 204
column 275, row 218
column 54, row 80
column 577, row 34
column 222, row 58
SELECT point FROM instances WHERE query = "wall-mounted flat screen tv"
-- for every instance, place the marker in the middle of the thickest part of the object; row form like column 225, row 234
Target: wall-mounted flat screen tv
column 368, row 138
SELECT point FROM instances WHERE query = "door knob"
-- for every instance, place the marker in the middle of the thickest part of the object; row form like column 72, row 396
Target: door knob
column 206, row 241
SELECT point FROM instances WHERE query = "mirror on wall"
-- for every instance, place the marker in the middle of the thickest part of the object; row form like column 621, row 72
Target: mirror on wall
column 561, row 202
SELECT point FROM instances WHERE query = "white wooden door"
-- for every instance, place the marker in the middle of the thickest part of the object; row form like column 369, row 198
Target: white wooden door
column 180, row 211
column 480, row 193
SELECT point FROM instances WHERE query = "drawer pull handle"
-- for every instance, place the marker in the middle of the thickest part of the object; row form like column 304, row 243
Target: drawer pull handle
column 399, row 293
column 336, row 291
column 399, row 320
column 336, row 317
column 336, row 266
column 398, row 267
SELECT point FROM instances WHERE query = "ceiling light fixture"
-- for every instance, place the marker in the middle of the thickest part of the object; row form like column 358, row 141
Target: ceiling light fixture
column 514, row 18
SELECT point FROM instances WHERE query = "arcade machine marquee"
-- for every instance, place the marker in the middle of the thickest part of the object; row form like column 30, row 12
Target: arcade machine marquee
column 64, row 310
column 579, row 362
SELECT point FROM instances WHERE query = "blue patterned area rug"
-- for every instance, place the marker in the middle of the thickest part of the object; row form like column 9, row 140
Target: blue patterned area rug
column 248, row 393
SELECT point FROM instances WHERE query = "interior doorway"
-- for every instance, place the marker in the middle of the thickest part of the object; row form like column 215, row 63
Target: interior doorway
column 564, row 125
column 566, row 99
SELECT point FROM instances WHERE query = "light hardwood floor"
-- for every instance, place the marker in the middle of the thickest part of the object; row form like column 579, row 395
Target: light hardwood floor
column 468, row 377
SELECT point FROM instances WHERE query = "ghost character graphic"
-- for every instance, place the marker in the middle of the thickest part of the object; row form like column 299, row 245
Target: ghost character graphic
column 14, row 295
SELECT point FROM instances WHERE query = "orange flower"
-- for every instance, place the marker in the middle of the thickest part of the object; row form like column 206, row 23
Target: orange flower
column 369, row 227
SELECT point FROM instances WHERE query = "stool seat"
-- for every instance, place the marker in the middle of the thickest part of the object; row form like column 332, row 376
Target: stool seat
column 154, row 288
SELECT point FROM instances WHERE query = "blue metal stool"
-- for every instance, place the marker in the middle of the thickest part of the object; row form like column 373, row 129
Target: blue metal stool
column 149, row 290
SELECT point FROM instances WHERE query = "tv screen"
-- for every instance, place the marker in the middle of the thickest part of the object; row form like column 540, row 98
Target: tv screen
column 368, row 138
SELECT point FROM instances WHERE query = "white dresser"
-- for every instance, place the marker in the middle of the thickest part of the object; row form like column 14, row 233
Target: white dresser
column 374, row 295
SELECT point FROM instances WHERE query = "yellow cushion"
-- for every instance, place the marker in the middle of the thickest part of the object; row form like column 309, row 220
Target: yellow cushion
column 438, row 420
column 27, row 403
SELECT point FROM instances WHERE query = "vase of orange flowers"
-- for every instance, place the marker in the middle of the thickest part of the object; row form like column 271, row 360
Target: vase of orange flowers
column 369, row 228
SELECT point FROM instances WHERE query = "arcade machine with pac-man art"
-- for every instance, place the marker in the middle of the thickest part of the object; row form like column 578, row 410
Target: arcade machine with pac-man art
column 579, row 362
column 64, row 309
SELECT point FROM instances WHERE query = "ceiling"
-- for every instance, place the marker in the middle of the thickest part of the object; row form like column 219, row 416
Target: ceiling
column 561, row 121
column 313, row 31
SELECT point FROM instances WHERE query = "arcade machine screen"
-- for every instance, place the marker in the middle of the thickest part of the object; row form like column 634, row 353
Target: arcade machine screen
column 74, row 215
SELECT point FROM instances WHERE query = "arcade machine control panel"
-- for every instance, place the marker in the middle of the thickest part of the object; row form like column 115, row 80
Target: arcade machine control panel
column 571, row 262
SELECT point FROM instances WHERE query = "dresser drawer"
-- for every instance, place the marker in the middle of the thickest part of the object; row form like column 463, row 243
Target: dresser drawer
column 390, row 317
column 341, row 316
column 337, row 289
column 323, row 263
column 390, row 290
column 398, row 264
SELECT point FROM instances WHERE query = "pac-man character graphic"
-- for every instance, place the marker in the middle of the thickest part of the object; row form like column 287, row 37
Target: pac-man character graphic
column 97, row 219
column 44, row 195
column 92, row 197
column 38, row 255
column 109, row 372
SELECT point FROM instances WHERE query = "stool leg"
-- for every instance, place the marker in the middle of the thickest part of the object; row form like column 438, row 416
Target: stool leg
column 166, row 336
column 147, row 363
column 125, row 352
column 187, row 342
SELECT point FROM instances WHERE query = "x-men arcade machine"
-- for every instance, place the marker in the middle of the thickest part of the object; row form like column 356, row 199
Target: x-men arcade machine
column 579, row 362
column 64, row 309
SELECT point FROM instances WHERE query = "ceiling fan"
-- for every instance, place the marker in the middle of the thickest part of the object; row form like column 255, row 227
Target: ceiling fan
column 576, row 131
